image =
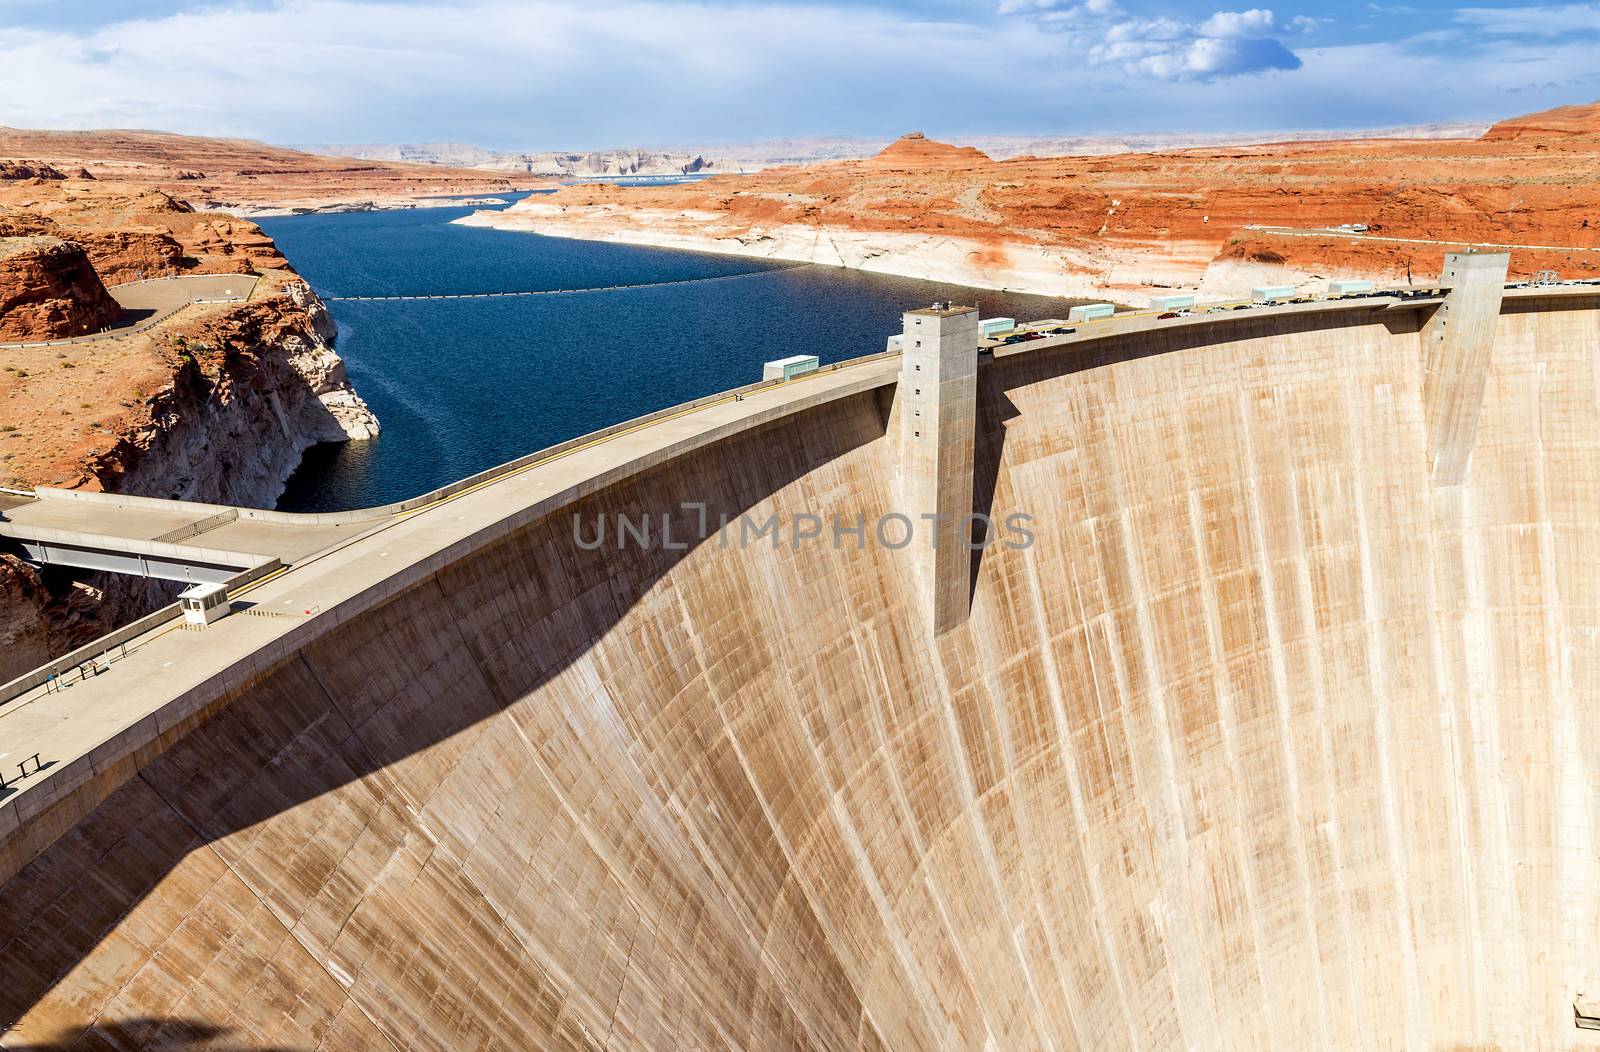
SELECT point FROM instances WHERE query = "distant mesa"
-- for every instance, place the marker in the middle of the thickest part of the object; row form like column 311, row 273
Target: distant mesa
column 1548, row 124
column 916, row 150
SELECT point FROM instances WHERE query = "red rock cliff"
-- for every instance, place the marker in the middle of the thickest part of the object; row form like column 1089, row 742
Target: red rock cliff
column 49, row 290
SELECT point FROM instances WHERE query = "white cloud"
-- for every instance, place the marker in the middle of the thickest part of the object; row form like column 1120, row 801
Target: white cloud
column 1206, row 58
column 1224, row 44
column 1253, row 23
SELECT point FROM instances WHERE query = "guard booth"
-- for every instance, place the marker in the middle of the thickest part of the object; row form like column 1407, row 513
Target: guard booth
column 204, row 603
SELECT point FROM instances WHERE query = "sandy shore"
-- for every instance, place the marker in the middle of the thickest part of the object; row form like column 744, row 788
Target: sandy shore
column 1121, row 272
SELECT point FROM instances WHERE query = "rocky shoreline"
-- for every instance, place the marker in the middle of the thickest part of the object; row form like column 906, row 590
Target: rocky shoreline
column 252, row 387
column 1213, row 221
column 361, row 204
column 1009, row 266
column 216, row 402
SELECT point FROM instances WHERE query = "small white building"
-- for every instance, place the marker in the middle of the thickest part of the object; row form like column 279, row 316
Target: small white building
column 1177, row 301
column 204, row 603
column 1091, row 311
column 1272, row 293
column 989, row 328
column 789, row 368
column 1346, row 288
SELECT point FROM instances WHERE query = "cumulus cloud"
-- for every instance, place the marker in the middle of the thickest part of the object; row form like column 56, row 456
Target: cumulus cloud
column 1224, row 44
column 1255, row 22
column 1206, row 58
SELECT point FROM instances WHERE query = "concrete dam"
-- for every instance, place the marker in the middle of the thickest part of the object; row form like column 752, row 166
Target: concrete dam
column 1281, row 734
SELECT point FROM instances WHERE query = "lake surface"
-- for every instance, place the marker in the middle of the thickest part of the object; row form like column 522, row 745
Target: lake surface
column 462, row 385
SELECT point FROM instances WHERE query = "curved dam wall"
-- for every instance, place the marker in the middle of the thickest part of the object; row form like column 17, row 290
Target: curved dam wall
column 1266, row 741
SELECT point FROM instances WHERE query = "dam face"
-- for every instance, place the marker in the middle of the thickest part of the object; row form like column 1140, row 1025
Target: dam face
column 1267, row 741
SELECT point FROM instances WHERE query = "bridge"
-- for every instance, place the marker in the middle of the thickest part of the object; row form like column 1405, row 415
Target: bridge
column 1360, row 235
column 171, row 540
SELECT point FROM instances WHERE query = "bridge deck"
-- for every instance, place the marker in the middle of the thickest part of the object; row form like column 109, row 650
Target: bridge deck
column 291, row 543
column 113, row 532
column 133, row 523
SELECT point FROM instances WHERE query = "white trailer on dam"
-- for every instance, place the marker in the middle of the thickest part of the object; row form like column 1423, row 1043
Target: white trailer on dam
column 789, row 368
column 1091, row 311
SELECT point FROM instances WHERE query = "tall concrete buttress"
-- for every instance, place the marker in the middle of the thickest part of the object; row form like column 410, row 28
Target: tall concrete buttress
column 938, row 382
column 1457, row 342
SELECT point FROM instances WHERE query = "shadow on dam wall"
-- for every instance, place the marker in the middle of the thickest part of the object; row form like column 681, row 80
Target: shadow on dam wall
column 1263, row 742
column 346, row 710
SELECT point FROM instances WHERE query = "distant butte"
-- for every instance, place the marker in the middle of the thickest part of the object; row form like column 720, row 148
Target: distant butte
column 916, row 150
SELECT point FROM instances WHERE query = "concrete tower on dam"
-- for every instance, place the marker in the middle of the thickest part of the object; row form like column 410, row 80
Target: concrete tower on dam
column 1279, row 735
column 1458, row 340
column 938, row 410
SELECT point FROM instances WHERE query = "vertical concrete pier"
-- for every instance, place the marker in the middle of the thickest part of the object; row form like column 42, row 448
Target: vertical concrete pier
column 938, row 386
column 1457, row 342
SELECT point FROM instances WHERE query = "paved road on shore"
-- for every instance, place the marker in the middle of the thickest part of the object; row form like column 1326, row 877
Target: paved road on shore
column 1284, row 231
column 148, row 303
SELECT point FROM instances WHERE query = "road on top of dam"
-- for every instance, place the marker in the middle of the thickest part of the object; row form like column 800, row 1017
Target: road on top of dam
column 77, row 731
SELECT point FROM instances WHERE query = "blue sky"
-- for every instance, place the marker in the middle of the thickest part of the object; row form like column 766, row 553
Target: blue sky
column 539, row 74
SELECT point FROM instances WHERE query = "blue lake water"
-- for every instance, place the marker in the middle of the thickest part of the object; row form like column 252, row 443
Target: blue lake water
column 463, row 385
